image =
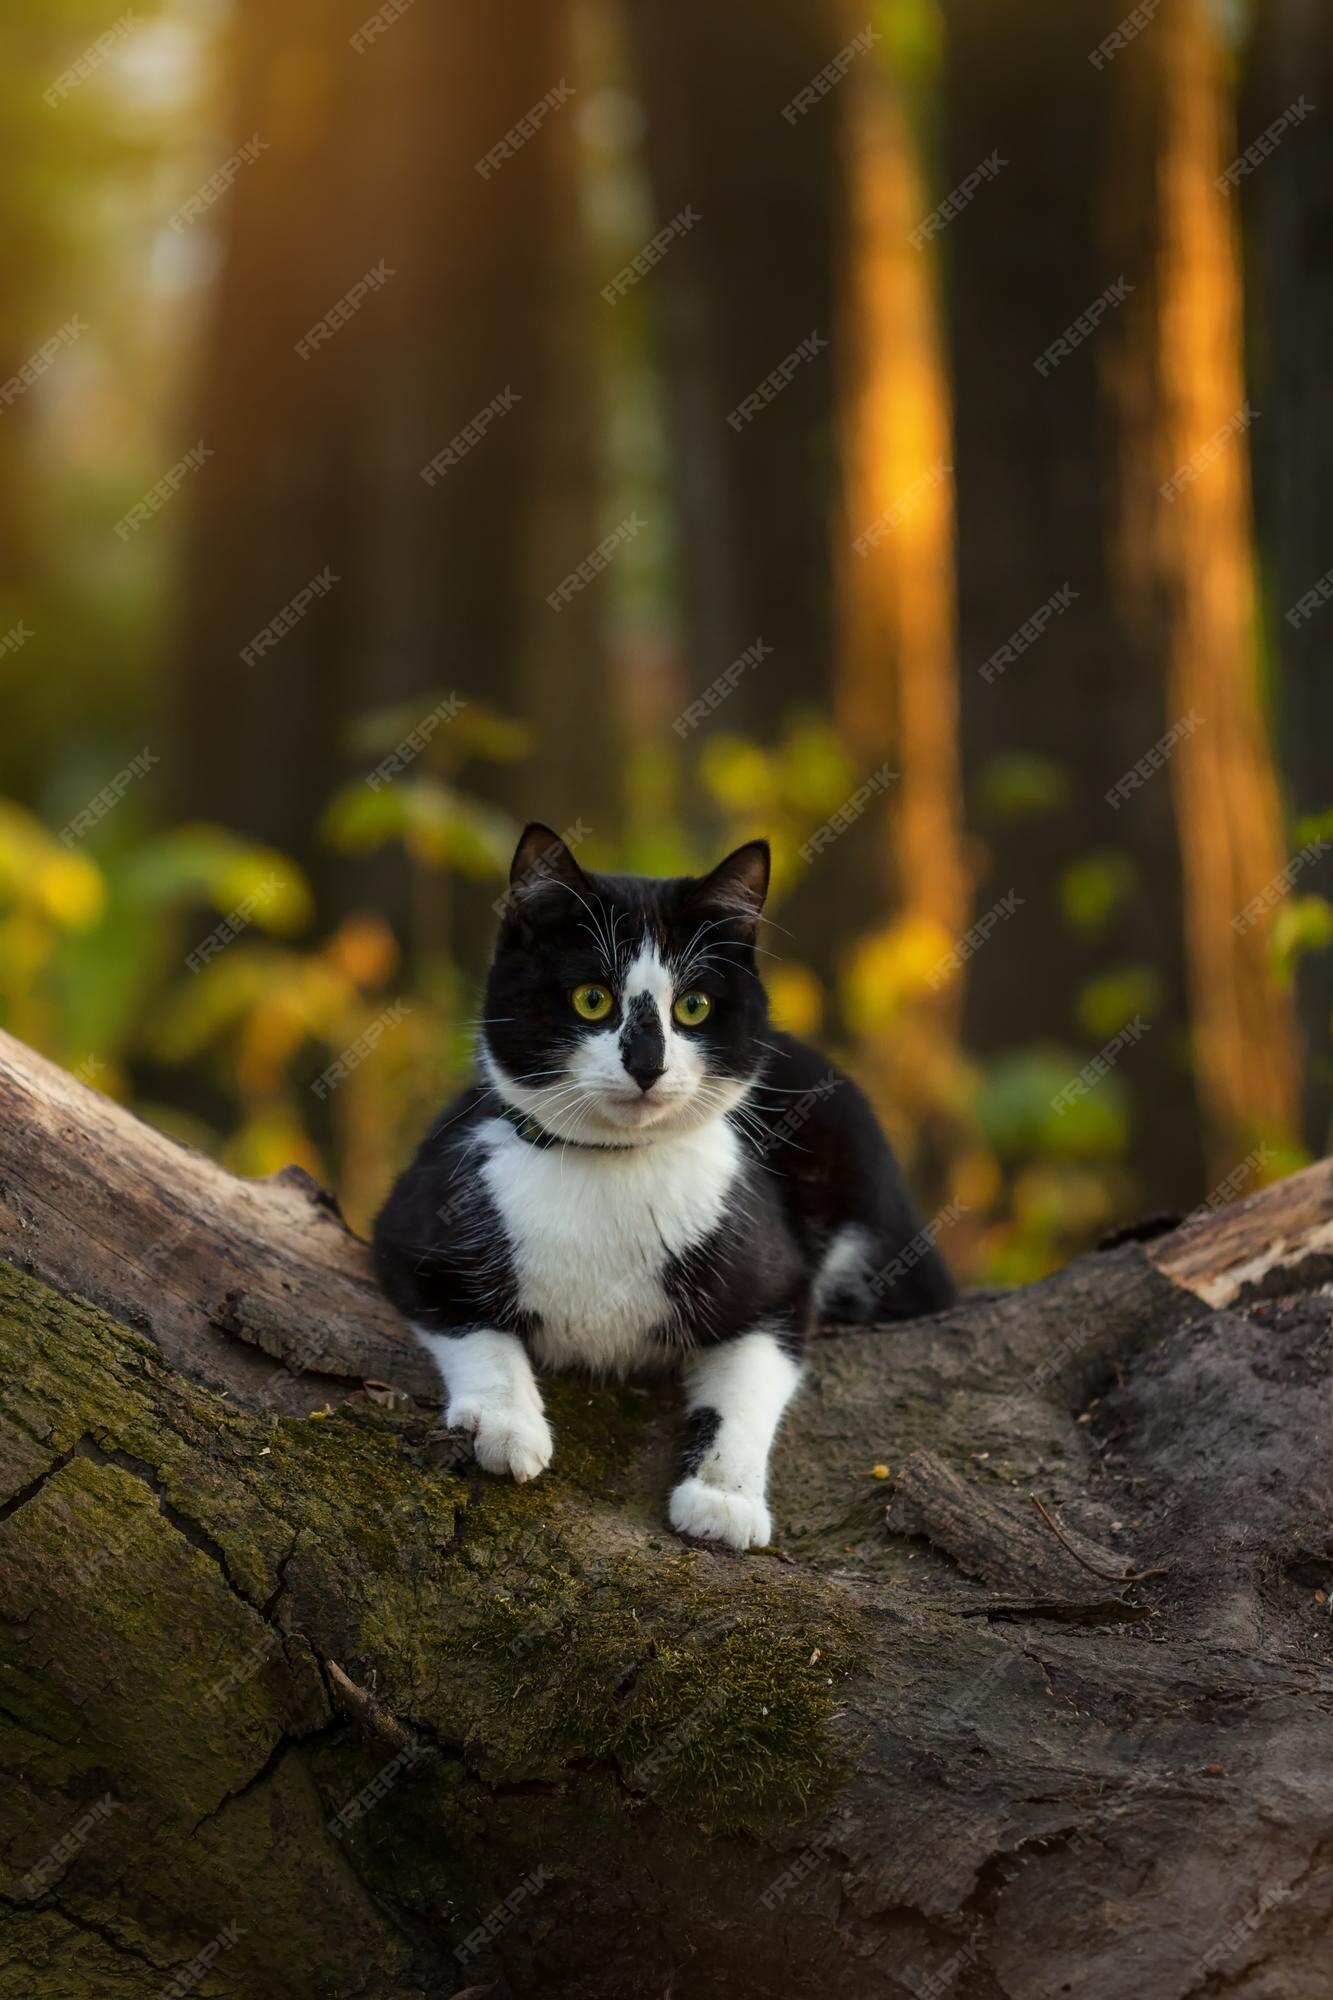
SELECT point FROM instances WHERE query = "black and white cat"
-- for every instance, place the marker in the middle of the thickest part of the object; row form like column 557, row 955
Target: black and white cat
column 642, row 1177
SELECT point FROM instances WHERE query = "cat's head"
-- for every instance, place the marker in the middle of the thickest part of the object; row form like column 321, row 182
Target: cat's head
column 619, row 1009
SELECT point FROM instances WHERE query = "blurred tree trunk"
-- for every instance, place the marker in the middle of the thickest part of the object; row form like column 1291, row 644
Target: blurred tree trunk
column 23, row 567
column 749, row 282
column 371, row 161
column 1289, row 202
column 896, row 689
column 752, row 280
column 1185, row 559
column 566, row 694
column 30, row 250
column 1049, row 729
column 55, row 266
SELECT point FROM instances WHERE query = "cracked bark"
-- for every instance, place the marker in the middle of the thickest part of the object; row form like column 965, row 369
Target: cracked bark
column 351, row 1695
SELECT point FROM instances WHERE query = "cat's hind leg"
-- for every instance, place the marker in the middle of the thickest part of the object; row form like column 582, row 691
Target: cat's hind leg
column 882, row 1269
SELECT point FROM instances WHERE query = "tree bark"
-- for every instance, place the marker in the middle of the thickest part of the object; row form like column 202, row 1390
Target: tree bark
column 1184, row 560
column 753, row 495
column 308, row 1697
column 440, row 584
column 896, row 676
column 754, row 486
column 1290, row 239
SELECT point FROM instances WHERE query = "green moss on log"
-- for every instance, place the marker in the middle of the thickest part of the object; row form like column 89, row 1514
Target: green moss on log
column 185, row 1570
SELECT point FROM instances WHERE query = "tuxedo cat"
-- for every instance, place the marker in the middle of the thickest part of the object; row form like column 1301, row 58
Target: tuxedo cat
column 644, row 1175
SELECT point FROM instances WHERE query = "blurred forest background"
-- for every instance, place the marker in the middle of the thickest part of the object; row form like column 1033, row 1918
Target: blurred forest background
column 266, row 261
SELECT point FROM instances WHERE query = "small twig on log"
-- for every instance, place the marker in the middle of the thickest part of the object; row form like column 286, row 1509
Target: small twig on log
column 1109, row 1575
column 363, row 1707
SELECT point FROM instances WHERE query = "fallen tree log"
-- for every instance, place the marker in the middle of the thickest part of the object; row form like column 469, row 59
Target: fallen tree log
column 1031, row 1698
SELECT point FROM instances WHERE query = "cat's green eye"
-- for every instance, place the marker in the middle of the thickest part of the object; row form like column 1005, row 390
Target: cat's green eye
column 692, row 1009
column 591, row 1002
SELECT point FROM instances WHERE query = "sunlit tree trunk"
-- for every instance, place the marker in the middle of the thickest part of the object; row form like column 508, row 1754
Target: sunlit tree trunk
column 1186, row 560
column 896, row 690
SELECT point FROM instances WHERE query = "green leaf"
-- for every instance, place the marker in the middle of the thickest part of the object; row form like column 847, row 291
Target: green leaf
column 1107, row 1002
column 1023, row 786
column 1093, row 888
column 1017, row 1114
column 1302, row 925
column 435, row 823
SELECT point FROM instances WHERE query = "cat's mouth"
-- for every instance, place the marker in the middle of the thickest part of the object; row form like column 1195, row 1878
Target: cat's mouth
column 578, row 1108
column 636, row 1108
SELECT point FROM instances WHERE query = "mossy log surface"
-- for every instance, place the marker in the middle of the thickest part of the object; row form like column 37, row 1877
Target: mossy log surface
column 296, row 1702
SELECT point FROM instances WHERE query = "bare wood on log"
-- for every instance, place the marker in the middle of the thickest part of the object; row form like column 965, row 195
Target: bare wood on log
column 103, row 1207
column 1282, row 1234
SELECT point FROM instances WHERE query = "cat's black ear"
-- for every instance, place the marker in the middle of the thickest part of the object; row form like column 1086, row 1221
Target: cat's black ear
column 739, row 883
column 541, row 856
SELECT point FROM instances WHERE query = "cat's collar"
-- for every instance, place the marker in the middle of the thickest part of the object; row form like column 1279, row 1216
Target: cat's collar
column 533, row 1134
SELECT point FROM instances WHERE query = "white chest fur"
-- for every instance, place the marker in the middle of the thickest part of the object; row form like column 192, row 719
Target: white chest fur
column 590, row 1234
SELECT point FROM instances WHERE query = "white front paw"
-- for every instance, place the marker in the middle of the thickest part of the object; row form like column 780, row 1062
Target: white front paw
column 507, row 1437
column 739, row 1519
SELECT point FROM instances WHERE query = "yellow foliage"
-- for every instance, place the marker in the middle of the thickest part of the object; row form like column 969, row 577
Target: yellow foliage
column 364, row 950
column 741, row 776
column 269, row 1040
column 70, row 889
column 41, row 876
column 1054, row 1199
column 270, row 1139
column 796, row 998
column 977, row 1180
column 282, row 902
column 888, row 968
column 24, row 945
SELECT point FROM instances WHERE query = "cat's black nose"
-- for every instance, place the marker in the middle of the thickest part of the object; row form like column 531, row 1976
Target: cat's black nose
column 643, row 1055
